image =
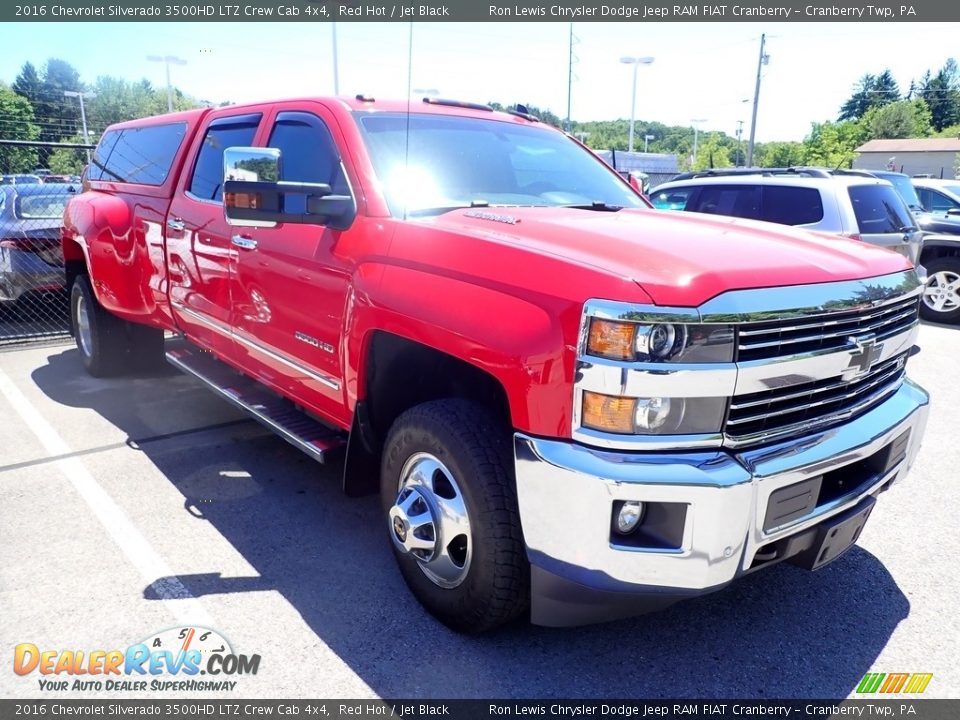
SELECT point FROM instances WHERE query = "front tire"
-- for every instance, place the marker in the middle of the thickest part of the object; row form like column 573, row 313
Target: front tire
column 451, row 512
column 941, row 296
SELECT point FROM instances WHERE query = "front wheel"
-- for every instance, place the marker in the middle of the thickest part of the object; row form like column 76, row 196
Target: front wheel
column 941, row 296
column 451, row 513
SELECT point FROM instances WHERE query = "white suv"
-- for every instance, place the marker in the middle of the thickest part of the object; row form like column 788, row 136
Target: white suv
column 855, row 207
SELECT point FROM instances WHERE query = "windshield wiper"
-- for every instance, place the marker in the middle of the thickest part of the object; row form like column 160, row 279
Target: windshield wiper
column 440, row 209
column 595, row 205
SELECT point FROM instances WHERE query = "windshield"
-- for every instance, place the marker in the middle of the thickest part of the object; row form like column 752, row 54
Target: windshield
column 460, row 161
column 904, row 188
column 41, row 206
column 955, row 189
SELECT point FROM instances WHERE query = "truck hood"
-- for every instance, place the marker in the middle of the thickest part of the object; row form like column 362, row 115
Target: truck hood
column 681, row 259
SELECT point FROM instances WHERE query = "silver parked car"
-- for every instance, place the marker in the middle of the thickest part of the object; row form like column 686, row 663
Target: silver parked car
column 861, row 208
column 31, row 259
column 938, row 196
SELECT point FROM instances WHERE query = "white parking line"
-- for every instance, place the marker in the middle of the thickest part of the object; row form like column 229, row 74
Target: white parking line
column 151, row 566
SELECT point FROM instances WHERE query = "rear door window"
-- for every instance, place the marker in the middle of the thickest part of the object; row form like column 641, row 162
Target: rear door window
column 791, row 205
column 879, row 209
column 741, row 201
column 675, row 199
column 206, row 183
column 141, row 155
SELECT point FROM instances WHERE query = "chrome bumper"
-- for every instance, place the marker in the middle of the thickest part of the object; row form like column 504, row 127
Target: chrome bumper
column 566, row 493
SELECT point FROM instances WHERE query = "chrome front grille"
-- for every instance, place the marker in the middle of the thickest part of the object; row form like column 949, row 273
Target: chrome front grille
column 796, row 408
column 778, row 338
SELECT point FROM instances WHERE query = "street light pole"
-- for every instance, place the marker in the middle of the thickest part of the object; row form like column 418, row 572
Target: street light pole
column 336, row 68
column 168, row 60
column 646, row 142
column 83, row 114
column 636, row 62
column 739, row 141
column 696, row 135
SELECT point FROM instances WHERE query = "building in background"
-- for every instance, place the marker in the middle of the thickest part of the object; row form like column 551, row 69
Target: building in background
column 938, row 157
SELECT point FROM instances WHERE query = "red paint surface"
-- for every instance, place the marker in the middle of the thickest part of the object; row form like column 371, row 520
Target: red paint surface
column 504, row 297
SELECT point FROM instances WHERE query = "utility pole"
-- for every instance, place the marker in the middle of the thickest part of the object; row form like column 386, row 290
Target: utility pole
column 764, row 59
column 83, row 114
column 167, row 60
column 336, row 69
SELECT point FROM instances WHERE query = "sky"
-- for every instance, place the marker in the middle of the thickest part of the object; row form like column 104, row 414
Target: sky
column 700, row 71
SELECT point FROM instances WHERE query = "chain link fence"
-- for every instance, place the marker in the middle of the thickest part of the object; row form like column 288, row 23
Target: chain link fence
column 33, row 296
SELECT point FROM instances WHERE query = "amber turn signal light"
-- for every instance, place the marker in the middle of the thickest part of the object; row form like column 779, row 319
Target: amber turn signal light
column 608, row 413
column 611, row 339
column 242, row 200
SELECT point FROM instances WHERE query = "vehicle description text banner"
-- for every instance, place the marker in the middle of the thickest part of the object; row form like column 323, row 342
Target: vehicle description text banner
column 475, row 10
column 207, row 709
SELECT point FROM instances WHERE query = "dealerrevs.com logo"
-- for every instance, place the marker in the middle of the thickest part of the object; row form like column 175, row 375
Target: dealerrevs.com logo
column 183, row 659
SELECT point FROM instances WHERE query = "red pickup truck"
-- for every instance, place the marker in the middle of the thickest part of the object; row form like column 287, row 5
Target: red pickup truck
column 571, row 404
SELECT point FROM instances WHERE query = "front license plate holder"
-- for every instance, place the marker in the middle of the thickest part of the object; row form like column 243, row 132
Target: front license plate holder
column 835, row 536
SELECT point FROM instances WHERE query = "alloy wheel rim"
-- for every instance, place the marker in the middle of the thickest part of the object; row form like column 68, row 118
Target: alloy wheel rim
column 83, row 327
column 429, row 521
column 942, row 293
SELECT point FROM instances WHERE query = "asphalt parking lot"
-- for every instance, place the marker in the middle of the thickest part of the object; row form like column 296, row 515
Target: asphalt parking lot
column 135, row 505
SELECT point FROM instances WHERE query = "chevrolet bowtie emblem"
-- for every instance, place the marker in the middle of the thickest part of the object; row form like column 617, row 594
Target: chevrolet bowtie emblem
column 865, row 353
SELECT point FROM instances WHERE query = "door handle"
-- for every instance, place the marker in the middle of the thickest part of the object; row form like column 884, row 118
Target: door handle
column 176, row 224
column 244, row 243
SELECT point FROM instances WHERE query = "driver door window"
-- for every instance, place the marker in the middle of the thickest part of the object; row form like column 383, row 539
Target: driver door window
column 307, row 154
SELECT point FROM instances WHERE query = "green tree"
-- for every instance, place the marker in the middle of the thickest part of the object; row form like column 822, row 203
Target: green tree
column 834, row 144
column 64, row 161
column 16, row 123
column 859, row 102
column 28, row 83
column 942, row 94
column 712, row 152
column 870, row 91
column 56, row 115
column 885, row 90
column 780, row 154
column 545, row 116
column 949, row 132
column 118, row 100
column 904, row 119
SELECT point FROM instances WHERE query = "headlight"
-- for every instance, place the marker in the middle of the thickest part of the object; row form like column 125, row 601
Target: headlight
column 653, row 415
column 660, row 342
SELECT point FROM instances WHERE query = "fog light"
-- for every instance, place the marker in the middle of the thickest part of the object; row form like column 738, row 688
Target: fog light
column 628, row 518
